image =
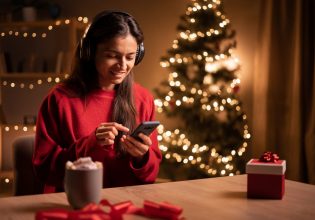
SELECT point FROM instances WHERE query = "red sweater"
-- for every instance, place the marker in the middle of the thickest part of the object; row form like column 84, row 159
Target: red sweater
column 65, row 131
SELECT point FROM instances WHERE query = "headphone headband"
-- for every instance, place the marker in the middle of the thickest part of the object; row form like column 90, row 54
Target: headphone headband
column 85, row 50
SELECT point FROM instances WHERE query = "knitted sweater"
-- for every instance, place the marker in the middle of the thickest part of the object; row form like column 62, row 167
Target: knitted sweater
column 65, row 131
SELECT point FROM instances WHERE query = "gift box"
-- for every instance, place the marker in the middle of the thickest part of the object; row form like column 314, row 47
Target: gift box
column 266, row 178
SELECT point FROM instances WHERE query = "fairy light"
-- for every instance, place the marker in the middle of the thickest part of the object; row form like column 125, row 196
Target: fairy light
column 164, row 64
column 32, row 83
column 85, row 20
column 179, row 139
column 212, row 67
column 52, row 26
column 212, row 97
column 194, row 36
column 231, row 64
column 175, row 46
column 16, row 128
column 58, row 22
column 183, row 35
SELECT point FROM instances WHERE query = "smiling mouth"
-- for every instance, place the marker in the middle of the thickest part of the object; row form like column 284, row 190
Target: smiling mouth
column 115, row 73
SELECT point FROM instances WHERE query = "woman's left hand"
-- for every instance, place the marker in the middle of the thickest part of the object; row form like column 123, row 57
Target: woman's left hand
column 136, row 148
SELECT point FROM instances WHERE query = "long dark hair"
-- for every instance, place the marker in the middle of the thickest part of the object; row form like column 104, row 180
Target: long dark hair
column 84, row 76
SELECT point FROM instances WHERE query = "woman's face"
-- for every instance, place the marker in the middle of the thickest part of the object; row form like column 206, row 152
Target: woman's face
column 114, row 59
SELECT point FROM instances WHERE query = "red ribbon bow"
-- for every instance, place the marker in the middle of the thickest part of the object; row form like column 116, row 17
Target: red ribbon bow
column 269, row 157
column 93, row 211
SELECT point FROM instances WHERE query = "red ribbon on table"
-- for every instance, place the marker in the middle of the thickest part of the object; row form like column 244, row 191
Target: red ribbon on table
column 162, row 210
column 269, row 157
column 93, row 211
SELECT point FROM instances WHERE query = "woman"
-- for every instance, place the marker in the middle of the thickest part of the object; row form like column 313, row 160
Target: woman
column 93, row 111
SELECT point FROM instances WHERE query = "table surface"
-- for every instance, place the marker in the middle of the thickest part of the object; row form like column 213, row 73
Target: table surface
column 212, row 198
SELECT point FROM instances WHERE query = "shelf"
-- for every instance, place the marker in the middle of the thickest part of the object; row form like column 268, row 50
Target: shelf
column 18, row 127
column 29, row 75
column 15, row 124
column 54, row 55
column 6, row 174
column 33, row 55
column 43, row 24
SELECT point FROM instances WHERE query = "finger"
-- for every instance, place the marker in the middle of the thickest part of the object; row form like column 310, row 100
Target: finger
column 109, row 141
column 105, row 135
column 106, row 142
column 106, row 124
column 137, row 144
column 103, row 129
column 133, row 140
column 109, row 135
column 131, row 149
column 146, row 139
column 127, row 146
column 120, row 127
column 99, row 136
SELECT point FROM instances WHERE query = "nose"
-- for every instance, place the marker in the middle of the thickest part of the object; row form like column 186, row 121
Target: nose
column 122, row 63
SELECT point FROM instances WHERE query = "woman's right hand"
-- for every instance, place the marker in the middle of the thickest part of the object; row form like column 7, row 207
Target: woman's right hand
column 106, row 132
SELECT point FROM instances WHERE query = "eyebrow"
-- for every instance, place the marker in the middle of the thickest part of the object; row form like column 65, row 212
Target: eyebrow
column 117, row 52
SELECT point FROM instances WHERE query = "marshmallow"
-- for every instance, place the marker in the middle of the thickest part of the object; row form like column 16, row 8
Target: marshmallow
column 83, row 163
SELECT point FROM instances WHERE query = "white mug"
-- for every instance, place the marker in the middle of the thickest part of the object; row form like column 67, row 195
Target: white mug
column 83, row 186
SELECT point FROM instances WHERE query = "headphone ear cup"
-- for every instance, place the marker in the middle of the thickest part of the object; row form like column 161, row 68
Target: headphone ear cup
column 139, row 53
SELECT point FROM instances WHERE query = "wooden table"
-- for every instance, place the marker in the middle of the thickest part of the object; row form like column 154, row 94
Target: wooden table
column 213, row 198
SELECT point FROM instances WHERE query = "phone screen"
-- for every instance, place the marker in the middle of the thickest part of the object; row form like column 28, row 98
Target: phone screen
column 146, row 127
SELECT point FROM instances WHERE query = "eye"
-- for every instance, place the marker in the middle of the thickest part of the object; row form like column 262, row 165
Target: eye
column 110, row 55
column 131, row 57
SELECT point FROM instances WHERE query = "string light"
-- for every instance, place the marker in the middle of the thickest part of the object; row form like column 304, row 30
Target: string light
column 23, row 128
column 50, row 26
column 32, row 83
column 7, row 80
column 216, row 69
column 178, row 140
column 228, row 60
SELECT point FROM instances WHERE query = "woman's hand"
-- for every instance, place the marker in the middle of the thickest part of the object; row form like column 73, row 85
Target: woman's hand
column 136, row 148
column 106, row 132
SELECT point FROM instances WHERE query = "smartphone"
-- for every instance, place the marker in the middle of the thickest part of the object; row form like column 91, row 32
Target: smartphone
column 146, row 127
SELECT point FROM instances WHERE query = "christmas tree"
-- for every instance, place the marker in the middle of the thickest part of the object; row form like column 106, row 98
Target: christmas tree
column 201, row 92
